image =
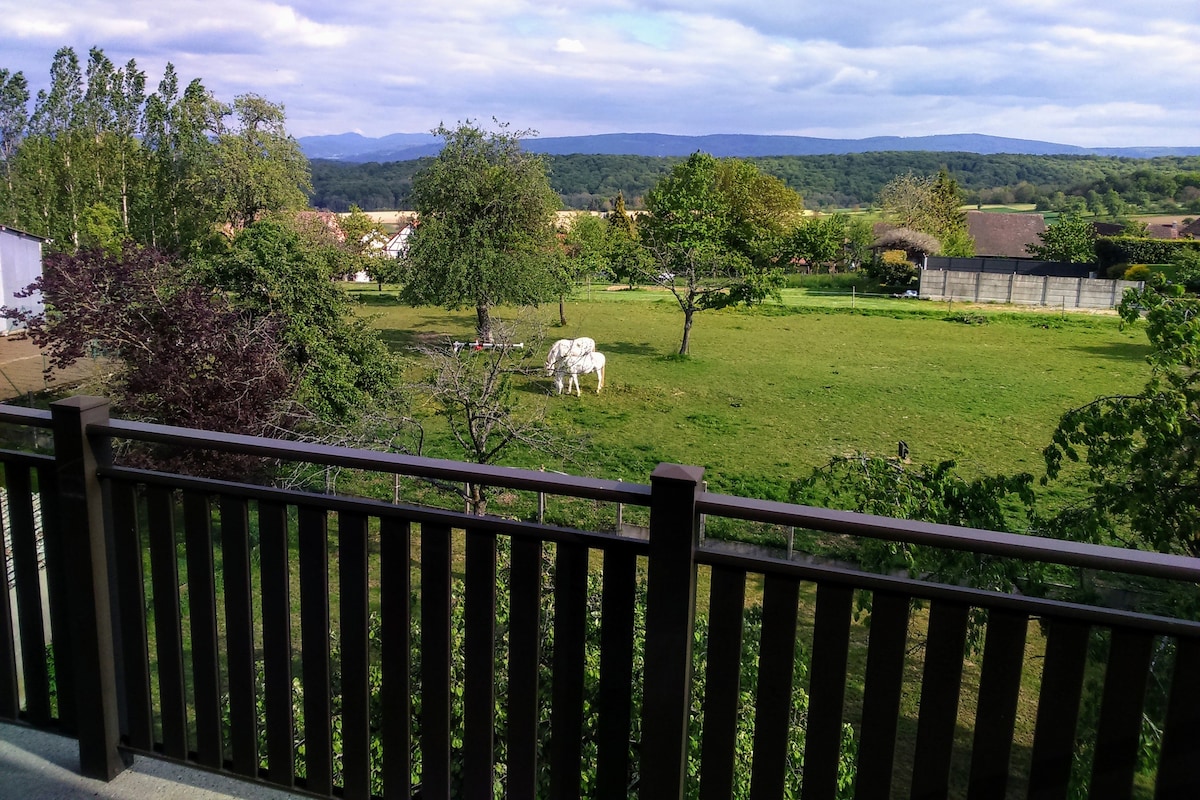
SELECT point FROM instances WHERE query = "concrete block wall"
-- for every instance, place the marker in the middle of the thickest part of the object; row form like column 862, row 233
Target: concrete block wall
column 1034, row 290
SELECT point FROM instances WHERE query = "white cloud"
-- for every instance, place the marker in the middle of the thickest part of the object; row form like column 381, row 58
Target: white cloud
column 1066, row 71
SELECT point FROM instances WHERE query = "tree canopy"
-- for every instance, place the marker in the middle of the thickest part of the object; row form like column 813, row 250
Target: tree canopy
column 1069, row 238
column 486, row 233
column 168, row 167
column 929, row 204
column 713, row 229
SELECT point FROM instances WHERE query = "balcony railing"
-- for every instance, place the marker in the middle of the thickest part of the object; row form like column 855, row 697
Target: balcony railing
column 357, row 648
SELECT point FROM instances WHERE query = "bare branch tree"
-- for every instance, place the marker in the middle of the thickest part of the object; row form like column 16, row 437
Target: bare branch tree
column 475, row 389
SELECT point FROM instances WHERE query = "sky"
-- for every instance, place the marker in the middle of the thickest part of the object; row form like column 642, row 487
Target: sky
column 1094, row 73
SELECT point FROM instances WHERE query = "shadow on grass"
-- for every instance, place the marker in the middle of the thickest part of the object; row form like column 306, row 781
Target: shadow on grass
column 1118, row 351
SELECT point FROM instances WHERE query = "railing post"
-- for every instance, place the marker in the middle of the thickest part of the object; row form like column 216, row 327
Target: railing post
column 670, row 615
column 82, row 514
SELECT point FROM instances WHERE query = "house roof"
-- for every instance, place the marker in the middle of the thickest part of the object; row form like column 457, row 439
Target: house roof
column 1000, row 234
column 1154, row 230
column 1191, row 230
column 19, row 232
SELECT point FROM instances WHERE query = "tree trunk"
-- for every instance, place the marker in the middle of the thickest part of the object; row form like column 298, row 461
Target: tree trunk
column 562, row 313
column 483, row 325
column 687, row 331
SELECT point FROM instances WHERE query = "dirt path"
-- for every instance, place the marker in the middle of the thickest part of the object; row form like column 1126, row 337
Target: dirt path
column 21, row 366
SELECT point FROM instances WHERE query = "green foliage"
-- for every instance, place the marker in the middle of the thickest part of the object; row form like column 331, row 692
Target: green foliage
column 891, row 488
column 712, row 240
column 283, row 268
column 854, row 180
column 744, row 737
column 1137, row 272
column 1140, row 450
column 892, row 269
column 1124, row 250
column 968, row 318
column 167, row 165
column 1069, row 238
column 929, row 204
column 487, row 226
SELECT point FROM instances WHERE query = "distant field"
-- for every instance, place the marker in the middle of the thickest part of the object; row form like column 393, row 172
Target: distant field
column 772, row 392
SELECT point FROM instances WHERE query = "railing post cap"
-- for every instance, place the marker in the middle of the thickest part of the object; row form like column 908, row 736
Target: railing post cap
column 82, row 402
column 678, row 472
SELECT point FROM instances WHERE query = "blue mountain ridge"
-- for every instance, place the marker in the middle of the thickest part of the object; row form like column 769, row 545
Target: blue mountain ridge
column 354, row 147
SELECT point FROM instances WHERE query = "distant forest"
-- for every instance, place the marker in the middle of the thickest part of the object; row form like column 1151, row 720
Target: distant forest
column 1101, row 184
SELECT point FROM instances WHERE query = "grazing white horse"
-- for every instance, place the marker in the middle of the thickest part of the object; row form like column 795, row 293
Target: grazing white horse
column 576, row 366
column 568, row 347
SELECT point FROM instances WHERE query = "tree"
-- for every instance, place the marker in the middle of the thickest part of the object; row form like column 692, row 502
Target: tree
column 710, row 238
column 585, row 255
column 366, row 240
column 487, row 226
column 474, row 390
column 627, row 258
column 282, row 268
column 819, row 241
column 14, row 98
column 253, row 167
column 930, row 204
column 1142, row 451
column 1069, row 238
column 178, row 354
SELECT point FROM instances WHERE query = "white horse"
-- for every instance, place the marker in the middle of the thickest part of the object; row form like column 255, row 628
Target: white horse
column 568, row 347
column 576, row 366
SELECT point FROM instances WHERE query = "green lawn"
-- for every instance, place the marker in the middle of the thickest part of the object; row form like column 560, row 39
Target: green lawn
column 769, row 393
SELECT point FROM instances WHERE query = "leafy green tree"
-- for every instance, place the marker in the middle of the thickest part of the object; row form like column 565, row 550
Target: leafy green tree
column 1142, row 451
column 710, row 239
column 1069, row 238
column 585, row 255
column 283, row 268
column 487, row 226
column 627, row 258
column 253, row 167
column 820, row 241
column 365, row 241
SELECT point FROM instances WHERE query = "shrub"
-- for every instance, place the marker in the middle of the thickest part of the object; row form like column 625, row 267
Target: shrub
column 1137, row 272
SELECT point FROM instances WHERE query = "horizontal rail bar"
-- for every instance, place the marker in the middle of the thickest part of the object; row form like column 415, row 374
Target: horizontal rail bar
column 416, row 466
column 975, row 540
column 23, row 459
column 714, row 554
column 381, row 508
column 17, row 415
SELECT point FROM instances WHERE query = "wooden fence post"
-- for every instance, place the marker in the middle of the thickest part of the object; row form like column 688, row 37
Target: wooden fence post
column 83, row 528
column 670, row 619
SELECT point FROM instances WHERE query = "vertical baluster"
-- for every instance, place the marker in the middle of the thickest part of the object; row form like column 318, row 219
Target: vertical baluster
column 131, row 579
column 1058, row 709
column 827, row 691
column 202, row 606
column 353, row 601
column 722, row 683
column 773, row 701
column 881, row 696
column 168, row 634
column 616, row 673
column 277, row 642
column 524, row 646
column 395, row 560
column 435, row 660
column 314, row 645
column 941, row 682
column 239, row 633
column 996, row 715
column 566, row 716
column 29, row 594
column 479, row 647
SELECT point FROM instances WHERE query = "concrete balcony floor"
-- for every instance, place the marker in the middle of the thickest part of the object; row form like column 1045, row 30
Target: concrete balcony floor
column 35, row 765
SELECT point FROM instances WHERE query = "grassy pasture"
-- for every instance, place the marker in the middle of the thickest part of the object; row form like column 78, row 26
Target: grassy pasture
column 771, row 392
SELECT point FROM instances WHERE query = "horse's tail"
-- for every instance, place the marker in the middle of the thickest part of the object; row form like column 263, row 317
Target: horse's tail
column 601, row 362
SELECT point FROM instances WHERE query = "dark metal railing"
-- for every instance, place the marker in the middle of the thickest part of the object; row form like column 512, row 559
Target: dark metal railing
column 274, row 634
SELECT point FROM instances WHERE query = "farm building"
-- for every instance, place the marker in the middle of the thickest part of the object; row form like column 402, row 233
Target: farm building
column 20, row 265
